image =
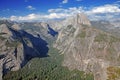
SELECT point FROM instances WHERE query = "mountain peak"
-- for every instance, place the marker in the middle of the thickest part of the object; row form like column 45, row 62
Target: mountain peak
column 82, row 19
column 79, row 19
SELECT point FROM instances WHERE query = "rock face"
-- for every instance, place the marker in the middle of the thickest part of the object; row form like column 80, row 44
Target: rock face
column 18, row 47
column 74, row 20
column 41, row 29
column 11, row 52
column 1, row 69
column 11, row 56
column 16, row 26
column 108, row 26
column 86, row 48
column 5, row 30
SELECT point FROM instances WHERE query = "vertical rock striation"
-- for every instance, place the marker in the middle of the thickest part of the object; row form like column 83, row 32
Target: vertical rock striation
column 86, row 48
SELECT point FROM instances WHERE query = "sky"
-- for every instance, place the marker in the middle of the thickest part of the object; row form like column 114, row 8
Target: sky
column 36, row 10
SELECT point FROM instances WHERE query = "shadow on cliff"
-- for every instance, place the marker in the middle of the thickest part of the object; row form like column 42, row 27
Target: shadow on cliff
column 33, row 46
column 52, row 32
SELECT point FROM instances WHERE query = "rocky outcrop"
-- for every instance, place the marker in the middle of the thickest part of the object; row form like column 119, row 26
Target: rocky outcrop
column 11, row 53
column 18, row 47
column 1, row 69
column 112, row 27
column 73, row 20
column 41, row 29
column 4, row 30
column 86, row 48
column 16, row 26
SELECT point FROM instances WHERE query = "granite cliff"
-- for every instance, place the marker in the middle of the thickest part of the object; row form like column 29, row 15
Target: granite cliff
column 84, row 45
column 88, row 49
column 19, row 45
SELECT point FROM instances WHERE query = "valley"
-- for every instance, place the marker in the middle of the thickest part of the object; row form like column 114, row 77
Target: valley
column 71, row 49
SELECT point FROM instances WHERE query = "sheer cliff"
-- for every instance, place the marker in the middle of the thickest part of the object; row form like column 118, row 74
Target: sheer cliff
column 86, row 48
column 19, row 45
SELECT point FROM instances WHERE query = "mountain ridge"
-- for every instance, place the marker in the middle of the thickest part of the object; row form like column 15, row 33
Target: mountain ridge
column 85, row 48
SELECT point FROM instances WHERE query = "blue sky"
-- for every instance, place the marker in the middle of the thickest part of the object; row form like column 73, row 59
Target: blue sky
column 50, row 9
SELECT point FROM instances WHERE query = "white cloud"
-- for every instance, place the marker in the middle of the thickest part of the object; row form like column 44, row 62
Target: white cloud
column 105, row 12
column 55, row 16
column 29, row 17
column 38, row 17
column 65, row 1
column 12, row 18
column 70, row 10
column 101, row 12
column 30, row 7
column 56, row 10
column 96, row 13
column 106, row 9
